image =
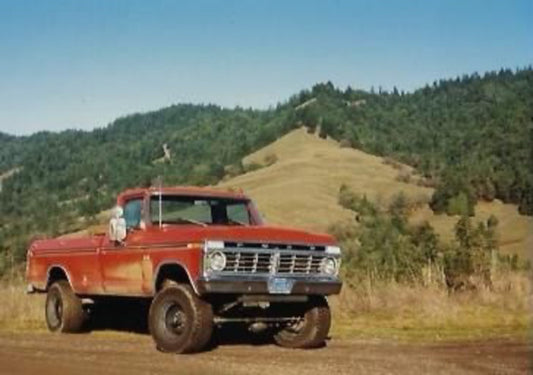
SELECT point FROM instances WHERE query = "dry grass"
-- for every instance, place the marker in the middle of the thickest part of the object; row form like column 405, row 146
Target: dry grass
column 301, row 189
column 384, row 310
column 416, row 312
column 19, row 310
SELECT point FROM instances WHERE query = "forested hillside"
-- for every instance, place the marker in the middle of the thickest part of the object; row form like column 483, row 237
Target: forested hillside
column 471, row 137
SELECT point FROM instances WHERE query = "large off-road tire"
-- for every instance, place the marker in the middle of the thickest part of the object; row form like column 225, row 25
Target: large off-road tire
column 179, row 321
column 311, row 331
column 63, row 309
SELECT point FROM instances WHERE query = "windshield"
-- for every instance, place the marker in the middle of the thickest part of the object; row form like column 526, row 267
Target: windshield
column 199, row 210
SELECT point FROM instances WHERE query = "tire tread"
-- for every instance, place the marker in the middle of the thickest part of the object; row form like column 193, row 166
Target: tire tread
column 202, row 320
column 73, row 317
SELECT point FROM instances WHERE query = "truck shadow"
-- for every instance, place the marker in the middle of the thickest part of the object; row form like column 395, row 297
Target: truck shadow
column 238, row 334
column 131, row 316
column 118, row 315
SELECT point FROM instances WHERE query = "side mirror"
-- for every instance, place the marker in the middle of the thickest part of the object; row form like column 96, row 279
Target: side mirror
column 117, row 225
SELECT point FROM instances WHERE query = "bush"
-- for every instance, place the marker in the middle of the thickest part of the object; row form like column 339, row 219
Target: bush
column 458, row 205
column 270, row 159
column 470, row 259
column 234, row 169
column 427, row 182
column 252, row 167
column 387, row 160
column 454, row 196
column 404, row 176
column 3, row 263
column 345, row 143
column 383, row 245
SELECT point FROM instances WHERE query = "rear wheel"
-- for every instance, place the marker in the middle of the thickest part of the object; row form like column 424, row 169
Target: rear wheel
column 179, row 321
column 63, row 309
column 311, row 330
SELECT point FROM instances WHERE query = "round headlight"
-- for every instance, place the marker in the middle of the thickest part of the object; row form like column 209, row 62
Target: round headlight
column 216, row 261
column 328, row 266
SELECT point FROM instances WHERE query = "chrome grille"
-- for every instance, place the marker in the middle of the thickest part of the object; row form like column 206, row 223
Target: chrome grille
column 251, row 261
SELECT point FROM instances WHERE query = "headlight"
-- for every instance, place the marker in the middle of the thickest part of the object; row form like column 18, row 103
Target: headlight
column 333, row 250
column 216, row 261
column 329, row 266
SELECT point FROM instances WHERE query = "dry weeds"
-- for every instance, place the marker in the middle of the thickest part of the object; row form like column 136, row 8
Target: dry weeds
column 393, row 310
column 17, row 309
column 385, row 310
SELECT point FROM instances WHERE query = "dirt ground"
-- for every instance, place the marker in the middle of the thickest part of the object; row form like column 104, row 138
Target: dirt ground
column 104, row 353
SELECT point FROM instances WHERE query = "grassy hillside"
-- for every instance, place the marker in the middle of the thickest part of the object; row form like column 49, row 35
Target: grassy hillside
column 301, row 188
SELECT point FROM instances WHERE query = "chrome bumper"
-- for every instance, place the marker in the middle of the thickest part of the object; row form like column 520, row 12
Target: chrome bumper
column 259, row 285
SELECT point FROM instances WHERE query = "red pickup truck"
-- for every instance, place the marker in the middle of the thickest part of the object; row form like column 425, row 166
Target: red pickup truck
column 204, row 258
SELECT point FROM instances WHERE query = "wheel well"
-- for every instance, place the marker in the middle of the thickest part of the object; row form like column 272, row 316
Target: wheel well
column 56, row 274
column 174, row 272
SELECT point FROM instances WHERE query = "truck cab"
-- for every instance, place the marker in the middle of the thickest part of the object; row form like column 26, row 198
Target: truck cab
column 202, row 257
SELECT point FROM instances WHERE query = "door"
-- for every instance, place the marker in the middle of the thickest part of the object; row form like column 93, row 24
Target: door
column 122, row 263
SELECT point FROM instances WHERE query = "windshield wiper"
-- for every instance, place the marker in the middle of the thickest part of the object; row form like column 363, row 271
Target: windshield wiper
column 185, row 220
column 232, row 221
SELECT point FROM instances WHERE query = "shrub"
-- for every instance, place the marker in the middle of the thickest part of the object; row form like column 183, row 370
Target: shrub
column 270, row 159
column 454, row 196
column 471, row 257
column 252, row 167
column 458, row 205
column 387, row 160
column 404, row 176
column 234, row 169
column 383, row 246
column 345, row 143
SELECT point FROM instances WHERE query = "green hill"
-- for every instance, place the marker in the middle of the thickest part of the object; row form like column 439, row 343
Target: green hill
column 471, row 137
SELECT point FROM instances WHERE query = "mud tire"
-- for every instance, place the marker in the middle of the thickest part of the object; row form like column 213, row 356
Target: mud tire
column 179, row 321
column 312, row 331
column 63, row 309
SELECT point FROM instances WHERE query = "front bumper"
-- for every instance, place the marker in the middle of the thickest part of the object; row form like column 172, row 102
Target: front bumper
column 256, row 285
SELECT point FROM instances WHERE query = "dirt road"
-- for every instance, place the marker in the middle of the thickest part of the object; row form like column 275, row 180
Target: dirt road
column 105, row 353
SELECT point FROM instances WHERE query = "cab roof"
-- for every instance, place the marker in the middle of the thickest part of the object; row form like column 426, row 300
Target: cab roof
column 196, row 191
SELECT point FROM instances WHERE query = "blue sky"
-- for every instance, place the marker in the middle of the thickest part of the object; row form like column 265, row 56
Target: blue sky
column 80, row 64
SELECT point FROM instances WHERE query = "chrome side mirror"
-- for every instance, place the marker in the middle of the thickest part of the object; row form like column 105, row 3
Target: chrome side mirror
column 117, row 225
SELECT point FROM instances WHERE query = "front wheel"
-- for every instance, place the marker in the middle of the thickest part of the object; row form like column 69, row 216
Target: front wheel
column 63, row 309
column 179, row 321
column 311, row 330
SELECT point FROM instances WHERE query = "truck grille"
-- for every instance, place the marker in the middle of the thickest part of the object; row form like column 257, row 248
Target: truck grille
column 272, row 262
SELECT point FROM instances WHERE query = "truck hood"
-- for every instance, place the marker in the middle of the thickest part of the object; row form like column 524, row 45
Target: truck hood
column 263, row 233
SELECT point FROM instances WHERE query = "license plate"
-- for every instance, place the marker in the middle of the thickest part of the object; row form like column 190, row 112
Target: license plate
column 280, row 286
